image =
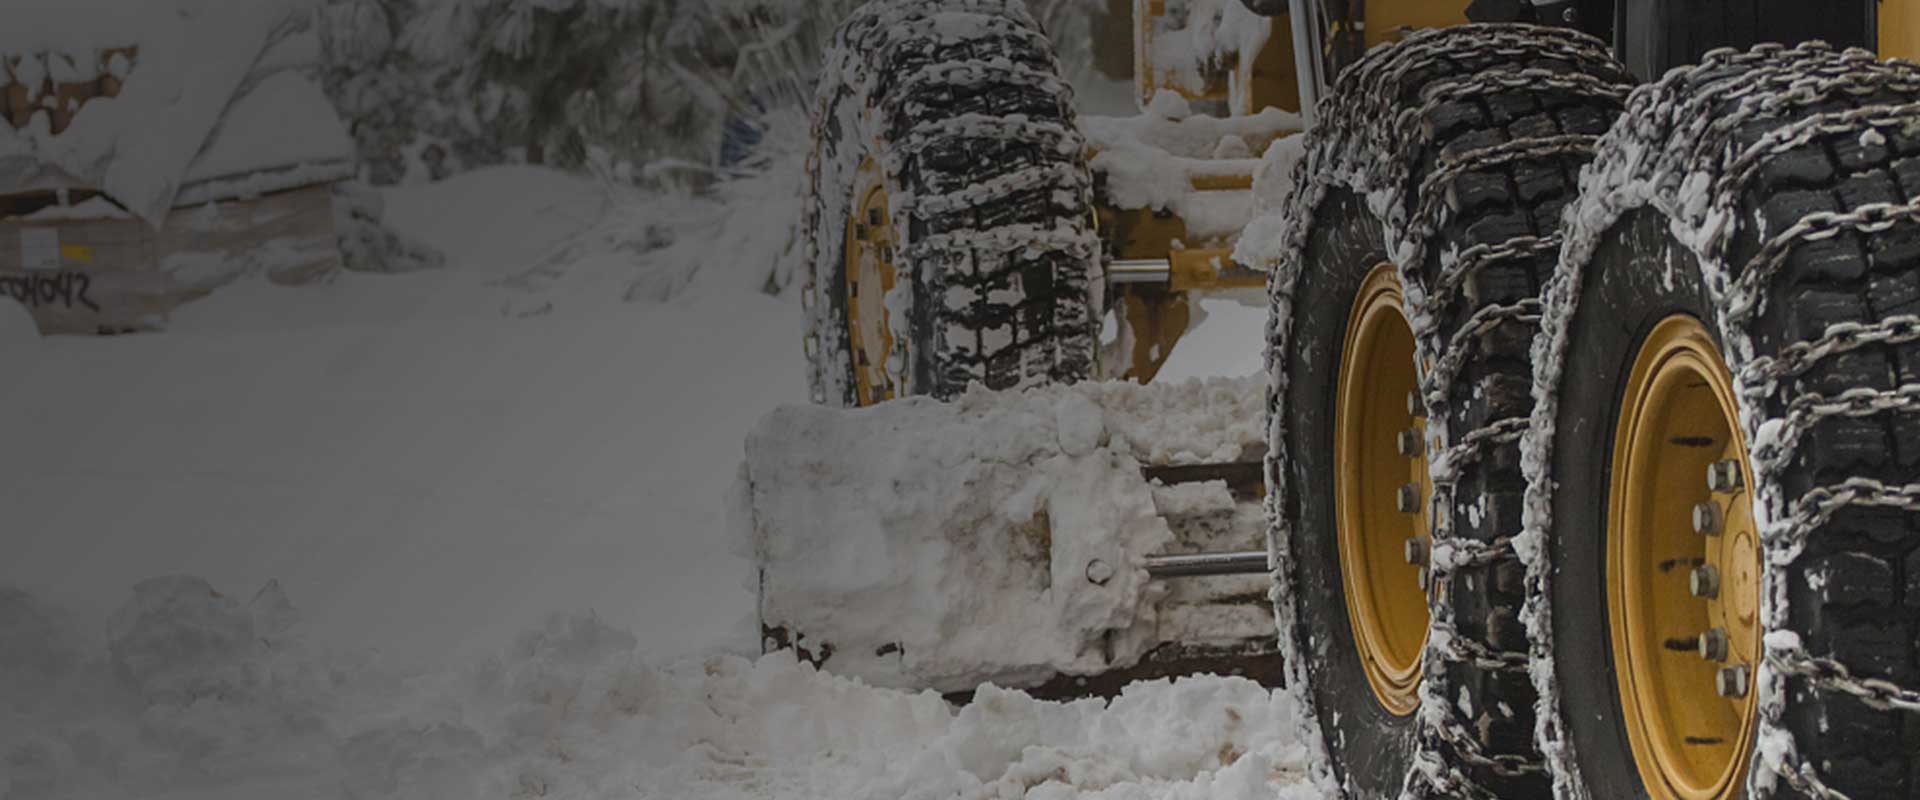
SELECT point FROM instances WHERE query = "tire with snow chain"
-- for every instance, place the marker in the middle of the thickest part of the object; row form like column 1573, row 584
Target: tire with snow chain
column 950, row 121
column 1752, row 211
column 1434, row 179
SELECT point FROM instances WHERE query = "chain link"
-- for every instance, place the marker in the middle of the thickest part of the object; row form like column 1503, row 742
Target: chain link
column 1454, row 270
column 1840, row 337
column 1830, row 674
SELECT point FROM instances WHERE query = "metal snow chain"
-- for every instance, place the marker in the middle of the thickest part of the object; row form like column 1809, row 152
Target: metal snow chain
column 1830, row 674
column 1033, row 177
column 990, row 126
column 1472, row 447
column 1525, row 78
column 1499, row 155
column 1447, row 369
column 1747, row 292
column 974, row 71
column 1476, row 553
column 1440, row 778
column 1802, row 132
column 1531, row 46
column 1410, row 119
column 1778, row 91
column 1764, row 91
column 1006, row 238
column 1814, row 508
column 1839, row 338
column 1809, row 409
column 1468, row 262
column 990, row 19
column 1804, row 779
column 1470, row 750
column 1462, row 650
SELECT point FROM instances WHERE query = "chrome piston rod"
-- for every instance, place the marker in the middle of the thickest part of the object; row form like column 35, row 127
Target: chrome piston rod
column 1251, row 562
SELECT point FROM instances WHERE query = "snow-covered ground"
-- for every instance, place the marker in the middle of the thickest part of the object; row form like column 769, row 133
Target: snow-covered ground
column 385, row 485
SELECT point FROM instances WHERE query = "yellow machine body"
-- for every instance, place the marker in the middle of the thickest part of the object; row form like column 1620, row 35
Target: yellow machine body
column 1900, row 29
column 1238, row 85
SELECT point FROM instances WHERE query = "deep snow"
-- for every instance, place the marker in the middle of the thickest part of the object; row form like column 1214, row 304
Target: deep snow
column 386, row 483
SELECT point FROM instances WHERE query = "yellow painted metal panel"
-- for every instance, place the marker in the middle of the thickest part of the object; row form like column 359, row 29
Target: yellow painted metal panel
column 1391, row 20
column 1899, row 29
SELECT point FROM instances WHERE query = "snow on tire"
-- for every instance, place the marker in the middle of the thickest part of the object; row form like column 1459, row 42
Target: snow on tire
column 960, row 107
column 1449, row 155
column 1767, row 195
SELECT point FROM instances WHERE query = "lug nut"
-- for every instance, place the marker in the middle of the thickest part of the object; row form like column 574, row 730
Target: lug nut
column 1723, row 476
column 1706, row 519
column 1417, row 551
column 1713, row 645
column 1410, row 443
column 1731, row 681
column 1704, row 581
column 1426, row 579
column 1414, row 406
column 1407, row 499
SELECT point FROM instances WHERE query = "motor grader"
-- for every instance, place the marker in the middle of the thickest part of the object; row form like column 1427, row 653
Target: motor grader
column 1590, row 456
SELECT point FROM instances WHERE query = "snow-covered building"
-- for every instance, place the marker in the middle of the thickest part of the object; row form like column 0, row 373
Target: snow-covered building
column 153, row 152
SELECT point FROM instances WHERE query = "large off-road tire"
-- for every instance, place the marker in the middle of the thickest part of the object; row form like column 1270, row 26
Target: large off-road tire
column 1761, row 201
column 956, row 113
column 1449, row 157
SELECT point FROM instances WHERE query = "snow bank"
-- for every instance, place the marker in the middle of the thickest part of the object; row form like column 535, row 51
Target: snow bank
column 196, row 694
column 1000, row 537
column 17, row 328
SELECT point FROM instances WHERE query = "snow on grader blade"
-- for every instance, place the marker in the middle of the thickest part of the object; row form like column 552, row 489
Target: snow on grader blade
column 1066, row 538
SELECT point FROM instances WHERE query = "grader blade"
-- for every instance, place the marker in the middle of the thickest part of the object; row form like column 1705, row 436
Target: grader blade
column 1059, row 539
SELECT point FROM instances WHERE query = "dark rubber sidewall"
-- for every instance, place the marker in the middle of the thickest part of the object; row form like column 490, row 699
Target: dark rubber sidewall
column 1638, row 276
column 1371, row 749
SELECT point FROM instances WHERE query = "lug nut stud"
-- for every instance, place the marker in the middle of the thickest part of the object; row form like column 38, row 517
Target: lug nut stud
column 1407, row 499
column 1731, row 681
column 1704, row 581
column 1417, row 551
column 1713, row 645
column 1723, row 476
column 1410, row 443
column 1706, row 519
column 1426, row 579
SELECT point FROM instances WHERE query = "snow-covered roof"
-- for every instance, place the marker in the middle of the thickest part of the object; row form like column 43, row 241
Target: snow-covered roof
column 216, row 94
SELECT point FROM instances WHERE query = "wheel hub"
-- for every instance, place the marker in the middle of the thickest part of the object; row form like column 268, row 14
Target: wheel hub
column 870, row 277
column 1382, row 492
column 1683, row 599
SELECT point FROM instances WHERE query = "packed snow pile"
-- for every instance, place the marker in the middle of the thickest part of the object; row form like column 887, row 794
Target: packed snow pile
column 1154, row 159
column 17, row 328
column 199, row 694
column 1000, row 537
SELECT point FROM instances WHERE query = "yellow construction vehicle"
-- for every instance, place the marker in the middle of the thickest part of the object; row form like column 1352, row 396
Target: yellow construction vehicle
column 1590, row 464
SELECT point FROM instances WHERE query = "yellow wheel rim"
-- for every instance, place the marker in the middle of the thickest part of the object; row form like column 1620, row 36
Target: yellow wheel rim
column 1381, row 490
column 1683, row 569
column 870, row 276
